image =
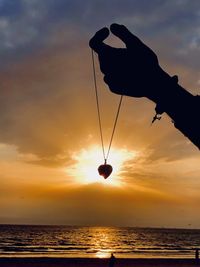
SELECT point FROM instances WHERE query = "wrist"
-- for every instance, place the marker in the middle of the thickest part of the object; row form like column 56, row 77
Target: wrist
column 170, row 95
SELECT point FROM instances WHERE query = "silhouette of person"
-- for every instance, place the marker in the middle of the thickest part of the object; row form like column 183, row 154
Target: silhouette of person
column 197, row 255
column 112, row 260
column 135, row 71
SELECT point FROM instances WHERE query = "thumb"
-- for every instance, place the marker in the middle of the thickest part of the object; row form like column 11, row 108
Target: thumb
column 126, row 36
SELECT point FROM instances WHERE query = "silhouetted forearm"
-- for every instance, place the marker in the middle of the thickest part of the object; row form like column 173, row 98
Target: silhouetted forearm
column 182, row 107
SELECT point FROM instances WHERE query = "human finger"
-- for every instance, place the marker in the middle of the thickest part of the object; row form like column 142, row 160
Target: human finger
column 126, row 36
column 96, row 42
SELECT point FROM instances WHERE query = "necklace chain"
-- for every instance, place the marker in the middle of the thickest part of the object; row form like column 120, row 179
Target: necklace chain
column 105, row 155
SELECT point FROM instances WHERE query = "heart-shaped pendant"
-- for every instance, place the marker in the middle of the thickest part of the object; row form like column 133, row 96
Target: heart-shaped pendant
column 105, row 170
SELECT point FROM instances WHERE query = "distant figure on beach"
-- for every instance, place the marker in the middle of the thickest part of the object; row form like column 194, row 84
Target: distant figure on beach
column 112, row 260
column 197, row 255
column 135, row 71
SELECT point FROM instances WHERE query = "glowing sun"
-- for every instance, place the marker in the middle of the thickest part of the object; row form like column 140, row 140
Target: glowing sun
column 84, row 171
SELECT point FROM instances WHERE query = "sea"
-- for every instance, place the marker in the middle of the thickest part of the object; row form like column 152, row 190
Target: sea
column 97, row 242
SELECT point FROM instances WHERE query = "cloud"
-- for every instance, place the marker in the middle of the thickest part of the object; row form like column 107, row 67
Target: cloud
column 48, row 112
column 40, row 111
column 94, row 205
column 46, row 103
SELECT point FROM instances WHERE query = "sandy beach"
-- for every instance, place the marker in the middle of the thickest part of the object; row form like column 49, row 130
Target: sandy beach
column 94, row 262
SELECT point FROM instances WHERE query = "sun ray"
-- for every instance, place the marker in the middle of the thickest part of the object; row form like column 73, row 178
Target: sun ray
column 87, row 161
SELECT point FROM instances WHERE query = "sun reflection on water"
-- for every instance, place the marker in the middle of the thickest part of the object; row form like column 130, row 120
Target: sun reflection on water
column 103, row 253
column 101, row 238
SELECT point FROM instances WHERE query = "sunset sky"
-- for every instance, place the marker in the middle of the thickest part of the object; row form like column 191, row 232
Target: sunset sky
column 49, row 137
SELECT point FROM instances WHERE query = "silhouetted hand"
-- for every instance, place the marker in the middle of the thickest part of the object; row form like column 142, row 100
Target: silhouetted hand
column 135, row 71
column 132, row 71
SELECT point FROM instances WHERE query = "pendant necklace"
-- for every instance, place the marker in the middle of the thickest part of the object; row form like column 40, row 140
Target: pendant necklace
column 105, row 169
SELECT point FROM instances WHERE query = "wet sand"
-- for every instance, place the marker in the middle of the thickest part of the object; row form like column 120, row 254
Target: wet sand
column 75, row 262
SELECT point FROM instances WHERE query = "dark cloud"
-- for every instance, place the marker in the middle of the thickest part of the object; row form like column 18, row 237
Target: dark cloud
column 9, row 8
column 46, row 104
column 152, row 18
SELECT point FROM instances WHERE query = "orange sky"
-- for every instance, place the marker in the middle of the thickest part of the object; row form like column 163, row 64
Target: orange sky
column 49, row 138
